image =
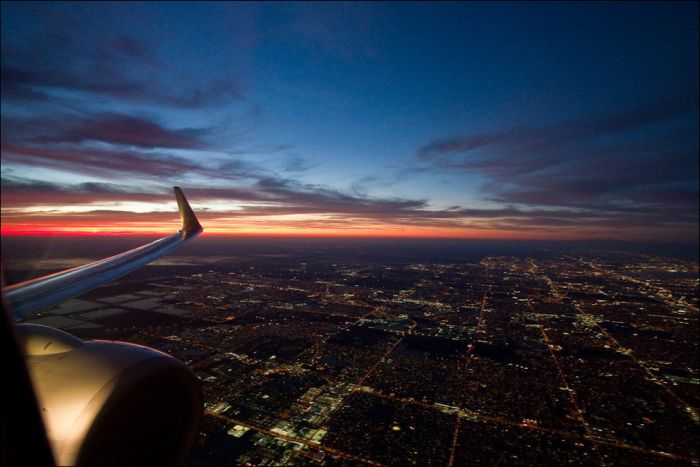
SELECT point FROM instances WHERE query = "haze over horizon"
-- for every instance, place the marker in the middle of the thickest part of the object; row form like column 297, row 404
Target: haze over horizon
column 463, row 120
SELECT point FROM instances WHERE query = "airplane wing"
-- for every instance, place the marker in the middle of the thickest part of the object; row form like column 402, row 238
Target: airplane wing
column 28, row 298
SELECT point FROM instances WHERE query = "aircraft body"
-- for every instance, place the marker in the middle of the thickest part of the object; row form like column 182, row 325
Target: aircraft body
column 100, row 402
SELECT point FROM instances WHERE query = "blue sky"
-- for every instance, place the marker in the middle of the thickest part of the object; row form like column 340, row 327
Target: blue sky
column 533, row 120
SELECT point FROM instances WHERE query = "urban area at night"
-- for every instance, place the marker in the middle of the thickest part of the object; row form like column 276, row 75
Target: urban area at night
column 346, row 353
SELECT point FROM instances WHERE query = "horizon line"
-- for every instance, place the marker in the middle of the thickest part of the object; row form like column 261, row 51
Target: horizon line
column 74, row 234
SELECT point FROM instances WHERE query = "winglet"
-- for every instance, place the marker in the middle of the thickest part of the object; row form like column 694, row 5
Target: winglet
column 190, row 224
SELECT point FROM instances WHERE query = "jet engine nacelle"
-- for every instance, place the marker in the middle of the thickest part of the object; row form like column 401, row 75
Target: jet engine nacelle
column 109, row 402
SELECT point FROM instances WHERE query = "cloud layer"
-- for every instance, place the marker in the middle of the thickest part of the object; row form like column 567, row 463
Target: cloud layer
column 640, row 164
column 100, row 120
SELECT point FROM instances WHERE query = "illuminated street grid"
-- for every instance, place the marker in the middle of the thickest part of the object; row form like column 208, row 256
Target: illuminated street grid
column 558, row 360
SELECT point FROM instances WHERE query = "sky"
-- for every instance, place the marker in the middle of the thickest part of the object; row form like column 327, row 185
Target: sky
column 489, row 120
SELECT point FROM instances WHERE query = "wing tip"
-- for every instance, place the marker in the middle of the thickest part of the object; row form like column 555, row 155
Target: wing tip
column 190, row 223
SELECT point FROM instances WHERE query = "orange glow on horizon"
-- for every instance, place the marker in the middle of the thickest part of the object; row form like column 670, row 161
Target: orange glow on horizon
column 386, row 232
column 314, row 228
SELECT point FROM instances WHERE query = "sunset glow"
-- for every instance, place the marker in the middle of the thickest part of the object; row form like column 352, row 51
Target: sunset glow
column 352, row 120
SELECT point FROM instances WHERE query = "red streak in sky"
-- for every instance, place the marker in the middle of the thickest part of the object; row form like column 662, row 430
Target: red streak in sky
column 68, row 228
column 10, row 232
column 426, row 233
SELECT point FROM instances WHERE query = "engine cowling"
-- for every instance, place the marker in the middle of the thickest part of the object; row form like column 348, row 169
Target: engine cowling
column 107, row 402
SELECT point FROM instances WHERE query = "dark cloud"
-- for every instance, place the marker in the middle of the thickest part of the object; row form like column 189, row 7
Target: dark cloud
column 134, row 145
column 268, row 197
column 121, row 67
column 333, row 200
column 102, row 162
column 20, row 192
column 35, row 83
column 641, row 160
column 329, row 208
column 529, row 141
column 274, row 197
column 121, row 130
column 126, row 159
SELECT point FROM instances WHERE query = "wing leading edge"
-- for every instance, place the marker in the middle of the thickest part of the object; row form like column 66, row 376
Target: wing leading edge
column 30, row 297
